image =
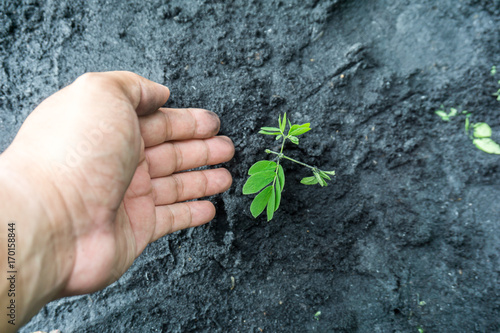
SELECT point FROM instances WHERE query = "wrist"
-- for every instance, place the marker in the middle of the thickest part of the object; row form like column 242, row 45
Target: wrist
column 42, row 242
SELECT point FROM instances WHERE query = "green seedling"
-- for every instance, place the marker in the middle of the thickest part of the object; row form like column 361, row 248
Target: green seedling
column 479, row 133
column 497, row 94
column 446, row 116
column 317, row 315
column 268, row 177
column 493, row 71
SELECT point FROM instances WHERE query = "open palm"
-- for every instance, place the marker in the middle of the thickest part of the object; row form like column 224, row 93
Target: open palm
column 114, row 158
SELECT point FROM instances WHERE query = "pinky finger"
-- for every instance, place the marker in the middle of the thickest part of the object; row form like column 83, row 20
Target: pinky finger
column 183, row 215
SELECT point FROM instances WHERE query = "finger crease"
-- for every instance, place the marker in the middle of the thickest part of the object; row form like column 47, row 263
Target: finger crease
column 207, row 150
column 195, row 127
column 190, row 213
column 148, row 162
column 171, row 220
column 154, row 193
column 179, row 187
column 205, row 189
column 168, row 127
column 178, row 156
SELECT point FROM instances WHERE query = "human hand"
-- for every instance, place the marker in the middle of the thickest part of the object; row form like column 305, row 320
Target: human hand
column 102, row 164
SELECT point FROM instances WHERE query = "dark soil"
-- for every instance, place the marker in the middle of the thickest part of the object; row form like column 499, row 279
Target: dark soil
column 406, row 237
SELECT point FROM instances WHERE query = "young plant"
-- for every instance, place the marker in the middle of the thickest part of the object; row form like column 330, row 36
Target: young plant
column 446, row 116
column 479, row 133
column 268, row 177
column 493, row 72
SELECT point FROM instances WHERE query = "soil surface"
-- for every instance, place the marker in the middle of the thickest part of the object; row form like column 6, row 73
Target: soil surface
column 407, row 235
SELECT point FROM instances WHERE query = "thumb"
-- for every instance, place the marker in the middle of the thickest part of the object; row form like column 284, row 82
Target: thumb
column 147, row 96
column 144, row 95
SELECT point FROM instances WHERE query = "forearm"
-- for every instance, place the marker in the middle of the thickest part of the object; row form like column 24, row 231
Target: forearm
column 32, row 275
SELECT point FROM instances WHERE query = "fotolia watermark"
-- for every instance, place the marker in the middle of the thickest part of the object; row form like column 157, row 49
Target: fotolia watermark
column 11, row 272
column 86, row 147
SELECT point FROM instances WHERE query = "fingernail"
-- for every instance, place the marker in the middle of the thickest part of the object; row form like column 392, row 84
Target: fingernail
column 212, row 114
column 215, row 117
column 227, row 139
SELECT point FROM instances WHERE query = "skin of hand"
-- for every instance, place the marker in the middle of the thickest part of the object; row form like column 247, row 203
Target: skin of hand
column 93, row 176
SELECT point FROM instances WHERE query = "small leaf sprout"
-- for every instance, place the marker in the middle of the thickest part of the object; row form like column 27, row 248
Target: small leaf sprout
column 479, row 133
column 268, row 177
column 493, row 72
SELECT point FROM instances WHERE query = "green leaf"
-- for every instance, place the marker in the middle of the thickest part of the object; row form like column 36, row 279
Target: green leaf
column 294, row 139
column 283, row 124
column 270, row 204
column 482, row 130
column 260, row 201
column 443, row 115
column 270, row 129
column 292, row 128
column 309, row 180
column 332, row 173
column 269, row 133
column 299, row 129
column 278, row 137
column 281, row 177
column 277, row 190
column 321, row 181
column 324, row 175
column 453, row 112
column 258, row 181
column 467, row 123
column 487, row 145
column 261, row 166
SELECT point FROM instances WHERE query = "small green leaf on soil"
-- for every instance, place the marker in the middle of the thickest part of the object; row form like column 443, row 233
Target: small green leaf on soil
column 258, row 181
column 270, row 204
column 321, row 181
column 309, row 180
column 281, row 176
column 260, row 201
column 487, row 145
column 294, row 139
column 277, row 191
column 270, row 129
column 482, row 130
column 300, row 129
column 283, row 124
column 324, row 175
column 268, row 133
column 261, row 166
column 443, row 115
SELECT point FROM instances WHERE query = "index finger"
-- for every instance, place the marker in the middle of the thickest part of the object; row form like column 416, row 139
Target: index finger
column 178, row 124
